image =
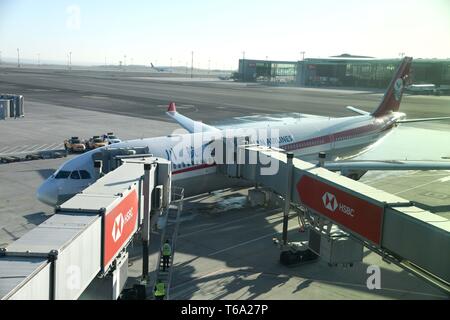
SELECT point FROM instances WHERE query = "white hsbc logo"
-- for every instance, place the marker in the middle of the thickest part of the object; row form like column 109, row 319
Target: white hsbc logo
column 119, row 223
column 331, row 203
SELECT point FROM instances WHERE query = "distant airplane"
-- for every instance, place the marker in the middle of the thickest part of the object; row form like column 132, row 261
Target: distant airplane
column 422, row 89
column 225, row 77
column 160, row 69
column 305, row 137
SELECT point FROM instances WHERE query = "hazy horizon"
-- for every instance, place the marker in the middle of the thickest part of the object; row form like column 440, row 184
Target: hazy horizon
column 103, row 32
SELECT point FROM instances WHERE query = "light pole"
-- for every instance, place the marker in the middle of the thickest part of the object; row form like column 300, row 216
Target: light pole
column 18, row 58
column 209, row 65
column 39, row 59
column 243, row 66
column 0, row 57
column 192, row 64
column 70, row 60
column 303, row 55
column 303, row 72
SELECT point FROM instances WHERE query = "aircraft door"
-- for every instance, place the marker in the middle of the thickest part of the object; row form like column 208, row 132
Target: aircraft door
column 332, row 142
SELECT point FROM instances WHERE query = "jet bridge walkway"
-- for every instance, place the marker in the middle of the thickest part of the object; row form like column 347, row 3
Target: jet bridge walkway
column 415, row 239
column 80, row 252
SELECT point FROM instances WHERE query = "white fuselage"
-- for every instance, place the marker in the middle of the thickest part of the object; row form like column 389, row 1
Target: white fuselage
column 305, row 137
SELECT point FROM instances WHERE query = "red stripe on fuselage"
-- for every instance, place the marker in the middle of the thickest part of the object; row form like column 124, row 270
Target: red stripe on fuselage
column 334, row 137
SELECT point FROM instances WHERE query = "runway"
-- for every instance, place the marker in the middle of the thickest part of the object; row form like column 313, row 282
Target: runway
column 210, row 100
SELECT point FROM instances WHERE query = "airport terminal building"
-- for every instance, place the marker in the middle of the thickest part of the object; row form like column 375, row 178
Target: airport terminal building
column 341, row 71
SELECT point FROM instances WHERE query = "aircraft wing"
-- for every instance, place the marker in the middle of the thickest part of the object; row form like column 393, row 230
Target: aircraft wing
column 422, row 120
column 358, row 111
column 264, row 120
column 381, row 165
column 190, row 125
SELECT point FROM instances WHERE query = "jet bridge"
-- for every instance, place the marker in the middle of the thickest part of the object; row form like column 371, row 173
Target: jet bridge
column 80, row 252
column 391, row 226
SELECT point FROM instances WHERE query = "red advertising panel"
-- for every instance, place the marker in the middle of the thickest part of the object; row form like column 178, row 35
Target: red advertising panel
column 119, row 226
column 357, row 215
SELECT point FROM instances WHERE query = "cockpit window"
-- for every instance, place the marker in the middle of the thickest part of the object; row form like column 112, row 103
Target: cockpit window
column 75, row 175
column 62, row 175
column 84, row 174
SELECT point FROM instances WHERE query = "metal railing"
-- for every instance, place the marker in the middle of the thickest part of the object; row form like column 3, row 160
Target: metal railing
column 170, row 232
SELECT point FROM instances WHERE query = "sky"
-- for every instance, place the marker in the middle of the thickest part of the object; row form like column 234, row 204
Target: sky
column 220, row 31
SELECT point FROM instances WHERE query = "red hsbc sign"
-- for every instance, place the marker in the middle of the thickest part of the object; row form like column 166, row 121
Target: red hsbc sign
column 120, row 223
column 354, row 213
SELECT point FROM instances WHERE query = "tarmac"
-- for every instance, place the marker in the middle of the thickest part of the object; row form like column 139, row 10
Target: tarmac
column 225, row 248
column 144, row 95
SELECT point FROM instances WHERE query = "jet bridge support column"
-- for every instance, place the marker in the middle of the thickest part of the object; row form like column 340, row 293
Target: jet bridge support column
column 287, row 199
column 322, row 157
column 146, row 222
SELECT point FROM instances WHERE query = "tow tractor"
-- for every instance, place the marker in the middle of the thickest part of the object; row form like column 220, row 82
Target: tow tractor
column 95, row 142
column 74, row 144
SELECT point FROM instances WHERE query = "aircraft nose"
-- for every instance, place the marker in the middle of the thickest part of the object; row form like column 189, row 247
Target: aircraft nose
column 48, row 193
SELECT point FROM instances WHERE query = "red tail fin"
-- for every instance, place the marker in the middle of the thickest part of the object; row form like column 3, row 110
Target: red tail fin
column 393, row 96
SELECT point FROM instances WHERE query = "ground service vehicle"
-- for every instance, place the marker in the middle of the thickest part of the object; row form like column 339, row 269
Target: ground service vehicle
column 110, row 138
column 95, row 142
column 74, row 144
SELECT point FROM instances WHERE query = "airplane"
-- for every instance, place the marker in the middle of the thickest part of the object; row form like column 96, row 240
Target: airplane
column 160, row 69
column 305, row 137
column 422, row 89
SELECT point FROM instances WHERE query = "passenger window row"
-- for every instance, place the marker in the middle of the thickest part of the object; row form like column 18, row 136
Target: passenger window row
column 181, row 165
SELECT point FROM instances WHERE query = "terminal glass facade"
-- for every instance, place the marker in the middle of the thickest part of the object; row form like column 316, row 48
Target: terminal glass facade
column 283, row 72
column 367, row 74
column 267, row 71
column 370, row 73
